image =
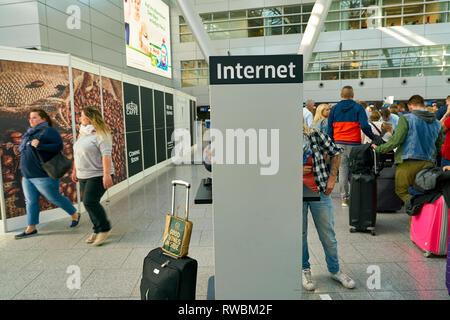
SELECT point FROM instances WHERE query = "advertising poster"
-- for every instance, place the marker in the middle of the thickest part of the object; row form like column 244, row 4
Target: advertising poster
column 24, row 86
column 148, row 131
column 134, row 153
column 86, row 92
column 170, row 126
column 113, row 115
column 133, row 128
column 160, row 125
column 147, row 36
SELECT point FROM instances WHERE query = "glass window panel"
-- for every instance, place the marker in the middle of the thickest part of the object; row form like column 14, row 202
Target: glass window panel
column 436, row 71
column 433, row 50
column 202, row 64
column 349, row 4
column 329, row 75
column 274, row 31
column 292, row 9
column 307, row 7
column 305, row 18
column 447, row 60
column 435, row 7
column 186, row 38
column 353, row 14
column 203, row 81
column 350, row 25
column 313, row 67
column 433, row 61
column 335, row 5
column 189, row 82
column 392, row 11
column 392, row 22
column 216, row 26
column 292, row 19
column 349, row 75
column 390, row 63
column 390, row 2
column 370, row 64
column 255, row 23
column 221, row 35
column 331, row 26
column 370, row 54
column 411, row 62
column 203, row 73
column 188, row 74
column 349, row 65
column 255, row 13
column 392, row 73
column 187, row 64
column 412, row 52
column 206, row 16
column 224, row 15
column 237, row 14
column 446, row 71
column 185, row 29
column 238, row 34
column 447, row 50
column 416, row 9
column 368, row 3
column 314, row 57
column 270, row 12
column 333, row 56
column 303, row 28
column 257, row 32
column 313, row 76
column 412, row 1
column 413, row 72
column 412, row 20
column 435, row 18
column 364, row 74
column 329, row 66
column 333, row 16
column 181, row 20
column 292, row 29
column 350, row 55
column 273, row 21
column 392, row 53
column 238, row 24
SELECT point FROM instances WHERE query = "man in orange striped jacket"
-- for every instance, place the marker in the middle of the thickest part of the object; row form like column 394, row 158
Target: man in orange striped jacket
column 345, row 122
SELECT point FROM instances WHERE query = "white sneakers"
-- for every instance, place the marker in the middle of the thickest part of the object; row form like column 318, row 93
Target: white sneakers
column 341, row 277
column 307, row 281
column 344, row 279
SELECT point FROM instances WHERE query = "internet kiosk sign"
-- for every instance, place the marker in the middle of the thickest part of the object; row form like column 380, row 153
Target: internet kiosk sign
column 256, row 141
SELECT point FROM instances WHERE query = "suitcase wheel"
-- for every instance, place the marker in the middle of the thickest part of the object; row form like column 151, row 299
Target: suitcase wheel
column 352, row 230
column 373, row 233
column 427, row 254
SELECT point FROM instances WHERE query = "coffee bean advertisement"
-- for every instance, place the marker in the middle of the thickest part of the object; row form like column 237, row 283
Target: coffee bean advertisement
column 113, row 115
column 24, row 86
column 160, row 124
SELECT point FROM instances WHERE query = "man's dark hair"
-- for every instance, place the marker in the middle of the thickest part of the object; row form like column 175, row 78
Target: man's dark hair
column 416, row 100
column 385, row 113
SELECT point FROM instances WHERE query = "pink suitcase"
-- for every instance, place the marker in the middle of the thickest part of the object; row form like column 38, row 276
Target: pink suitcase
column 429, row 229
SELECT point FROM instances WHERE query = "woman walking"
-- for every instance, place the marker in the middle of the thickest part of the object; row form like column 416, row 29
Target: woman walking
column 93, row 168
column 43, row 138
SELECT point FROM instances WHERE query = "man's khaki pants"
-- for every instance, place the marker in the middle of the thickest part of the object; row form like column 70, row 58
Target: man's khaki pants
column 406, row 174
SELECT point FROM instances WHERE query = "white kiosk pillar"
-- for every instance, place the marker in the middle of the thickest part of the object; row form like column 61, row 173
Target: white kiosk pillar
column 257, row 180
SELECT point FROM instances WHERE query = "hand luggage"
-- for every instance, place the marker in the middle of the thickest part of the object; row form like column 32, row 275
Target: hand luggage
column 168, row 278
column 177, row 233
column 429, row 229
column 363, row 200
column 387, row 199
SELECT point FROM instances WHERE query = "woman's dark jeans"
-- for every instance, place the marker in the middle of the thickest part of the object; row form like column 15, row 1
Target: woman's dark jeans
column 92, row 191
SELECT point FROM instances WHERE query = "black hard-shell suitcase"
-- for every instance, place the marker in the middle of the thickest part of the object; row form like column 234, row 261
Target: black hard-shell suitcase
column 387, row 199
column 167, row 278
column 363, row 203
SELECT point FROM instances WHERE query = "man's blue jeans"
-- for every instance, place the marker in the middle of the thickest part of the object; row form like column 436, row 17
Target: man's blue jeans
column 49, row 188
column 323, row 216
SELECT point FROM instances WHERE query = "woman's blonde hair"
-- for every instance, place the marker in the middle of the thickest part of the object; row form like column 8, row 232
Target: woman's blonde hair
column 319, row 111
column 102, row 129
column 307, row 130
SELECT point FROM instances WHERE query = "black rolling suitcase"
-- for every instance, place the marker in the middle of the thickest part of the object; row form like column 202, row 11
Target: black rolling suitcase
column 168, row 278
column 363, row 197
column 165, row 277
column 387, row 199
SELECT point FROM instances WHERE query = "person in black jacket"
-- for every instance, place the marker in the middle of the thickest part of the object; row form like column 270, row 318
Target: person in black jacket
column 41, row 137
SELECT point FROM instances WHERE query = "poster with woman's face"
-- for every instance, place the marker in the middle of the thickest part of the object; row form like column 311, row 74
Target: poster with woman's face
column 24, row 86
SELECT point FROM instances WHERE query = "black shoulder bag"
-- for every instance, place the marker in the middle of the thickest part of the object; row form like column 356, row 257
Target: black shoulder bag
column 57, row 166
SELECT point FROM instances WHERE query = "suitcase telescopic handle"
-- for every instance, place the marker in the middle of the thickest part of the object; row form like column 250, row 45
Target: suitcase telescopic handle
column 188, row 186
column 375, row 160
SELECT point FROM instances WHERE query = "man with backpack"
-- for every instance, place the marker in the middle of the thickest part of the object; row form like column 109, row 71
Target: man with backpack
column 345, row 122
column 419, row 140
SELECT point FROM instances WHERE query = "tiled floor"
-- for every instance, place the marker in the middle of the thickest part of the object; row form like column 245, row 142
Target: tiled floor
column 37, row 268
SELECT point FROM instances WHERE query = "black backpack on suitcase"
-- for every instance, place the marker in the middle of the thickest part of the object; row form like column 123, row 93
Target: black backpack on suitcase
column 167, row 278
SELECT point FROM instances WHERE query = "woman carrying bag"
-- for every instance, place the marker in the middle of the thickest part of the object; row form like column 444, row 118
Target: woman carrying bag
column 43, row 138
column 93, row 168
